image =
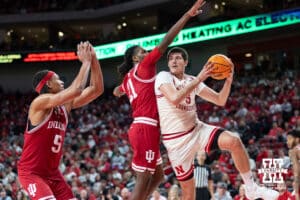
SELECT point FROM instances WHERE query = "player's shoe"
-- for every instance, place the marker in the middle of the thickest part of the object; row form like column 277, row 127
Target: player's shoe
column 257, row 192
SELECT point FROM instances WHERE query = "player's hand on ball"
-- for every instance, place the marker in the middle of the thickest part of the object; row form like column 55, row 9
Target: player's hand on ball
column 205, row 72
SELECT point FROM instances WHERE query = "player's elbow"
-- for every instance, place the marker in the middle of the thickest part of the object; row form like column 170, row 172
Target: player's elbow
column 77, row 91
column 99, row 91
column 221, row 103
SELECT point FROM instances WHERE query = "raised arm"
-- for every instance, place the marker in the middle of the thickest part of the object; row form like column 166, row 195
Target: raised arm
column 218, row 98
column 46, row 101
column 176, row 96
column 96, row 86
column 169, row 37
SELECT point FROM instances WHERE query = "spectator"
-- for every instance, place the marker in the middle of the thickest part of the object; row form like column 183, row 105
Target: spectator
column 125, row 193
column 174, row 193
column 221, row 192
column 157, row 196
column 4, row 196
column 241, row 195
column 284, row 194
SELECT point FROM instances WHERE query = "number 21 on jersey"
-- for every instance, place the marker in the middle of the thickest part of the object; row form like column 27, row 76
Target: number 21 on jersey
column 131, row 91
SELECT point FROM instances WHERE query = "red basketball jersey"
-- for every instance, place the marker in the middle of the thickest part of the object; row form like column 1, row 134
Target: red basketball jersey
column 42, row 149
column 140, row 91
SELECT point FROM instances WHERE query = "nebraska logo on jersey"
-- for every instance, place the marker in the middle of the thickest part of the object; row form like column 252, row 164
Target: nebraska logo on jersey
column 32, row 189
column 150, row 155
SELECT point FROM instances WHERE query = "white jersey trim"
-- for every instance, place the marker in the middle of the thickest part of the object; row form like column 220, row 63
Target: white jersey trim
column 140, row 79
column 40, row 125
column 66, row 114
column 48, row 198
column 159, row 161
column 142, row 169
column 145, row 120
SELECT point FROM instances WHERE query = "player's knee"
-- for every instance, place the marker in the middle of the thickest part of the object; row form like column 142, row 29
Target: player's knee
column 230, row 141
column 235, row 142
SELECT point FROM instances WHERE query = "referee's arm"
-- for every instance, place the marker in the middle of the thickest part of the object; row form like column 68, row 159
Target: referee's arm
column 211, row 188
column 210, row 184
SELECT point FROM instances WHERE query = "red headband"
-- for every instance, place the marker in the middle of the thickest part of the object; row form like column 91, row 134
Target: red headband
column 41, row 84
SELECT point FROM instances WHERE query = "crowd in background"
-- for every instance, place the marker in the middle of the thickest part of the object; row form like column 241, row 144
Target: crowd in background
column 96, row 159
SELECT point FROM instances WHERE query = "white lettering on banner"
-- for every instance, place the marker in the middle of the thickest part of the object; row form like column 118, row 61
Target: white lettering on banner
column 272, row 170
column 206, row 32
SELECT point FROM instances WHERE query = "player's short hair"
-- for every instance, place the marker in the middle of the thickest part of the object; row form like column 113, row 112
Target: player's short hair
column 37, row 79
column 294, row 133
column 183, row 52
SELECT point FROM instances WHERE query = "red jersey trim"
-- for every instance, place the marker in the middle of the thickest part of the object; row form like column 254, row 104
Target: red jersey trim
column 140, row 79
column 40, row 125
column 171, row 136
column 187, row 174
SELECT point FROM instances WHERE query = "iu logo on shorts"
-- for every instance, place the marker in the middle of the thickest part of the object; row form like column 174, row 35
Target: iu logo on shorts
column 31, row 189
column 149, row 155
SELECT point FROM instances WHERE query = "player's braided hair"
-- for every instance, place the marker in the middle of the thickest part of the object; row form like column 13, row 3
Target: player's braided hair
column 124, row 68
column 37, row 78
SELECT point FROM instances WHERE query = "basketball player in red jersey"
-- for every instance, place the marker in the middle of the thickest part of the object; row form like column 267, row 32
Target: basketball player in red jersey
column 293, row 143
column 46, row 127
column 138, row 71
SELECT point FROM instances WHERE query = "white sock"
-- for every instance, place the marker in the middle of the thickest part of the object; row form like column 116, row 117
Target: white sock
column 248, row 179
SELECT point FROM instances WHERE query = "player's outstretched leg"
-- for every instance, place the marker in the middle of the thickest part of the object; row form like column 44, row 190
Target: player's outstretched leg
column 231, row 142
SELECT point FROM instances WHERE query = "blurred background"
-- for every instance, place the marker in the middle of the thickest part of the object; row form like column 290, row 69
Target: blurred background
column 264, row 103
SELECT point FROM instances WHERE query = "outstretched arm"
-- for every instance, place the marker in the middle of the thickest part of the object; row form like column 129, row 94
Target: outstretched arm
column 96, row 86
column 46, row 101
column 169, row 37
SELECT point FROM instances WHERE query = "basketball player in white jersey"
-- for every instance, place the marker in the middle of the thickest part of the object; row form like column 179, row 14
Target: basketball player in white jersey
column 183, row 134
column 293, row 143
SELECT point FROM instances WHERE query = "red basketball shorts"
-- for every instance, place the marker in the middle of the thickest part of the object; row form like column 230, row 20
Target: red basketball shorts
column 145, row 143
column 46, row 189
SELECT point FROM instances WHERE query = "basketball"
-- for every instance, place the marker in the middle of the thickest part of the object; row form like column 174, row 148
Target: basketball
column 222, row 66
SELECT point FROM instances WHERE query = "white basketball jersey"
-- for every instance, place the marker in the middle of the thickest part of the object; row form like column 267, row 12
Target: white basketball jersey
column 181, row 117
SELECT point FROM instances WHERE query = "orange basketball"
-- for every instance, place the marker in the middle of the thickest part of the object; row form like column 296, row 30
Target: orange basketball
column 222, row 66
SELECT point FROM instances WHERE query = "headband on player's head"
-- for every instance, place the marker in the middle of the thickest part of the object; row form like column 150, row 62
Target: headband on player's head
column 41, row 84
